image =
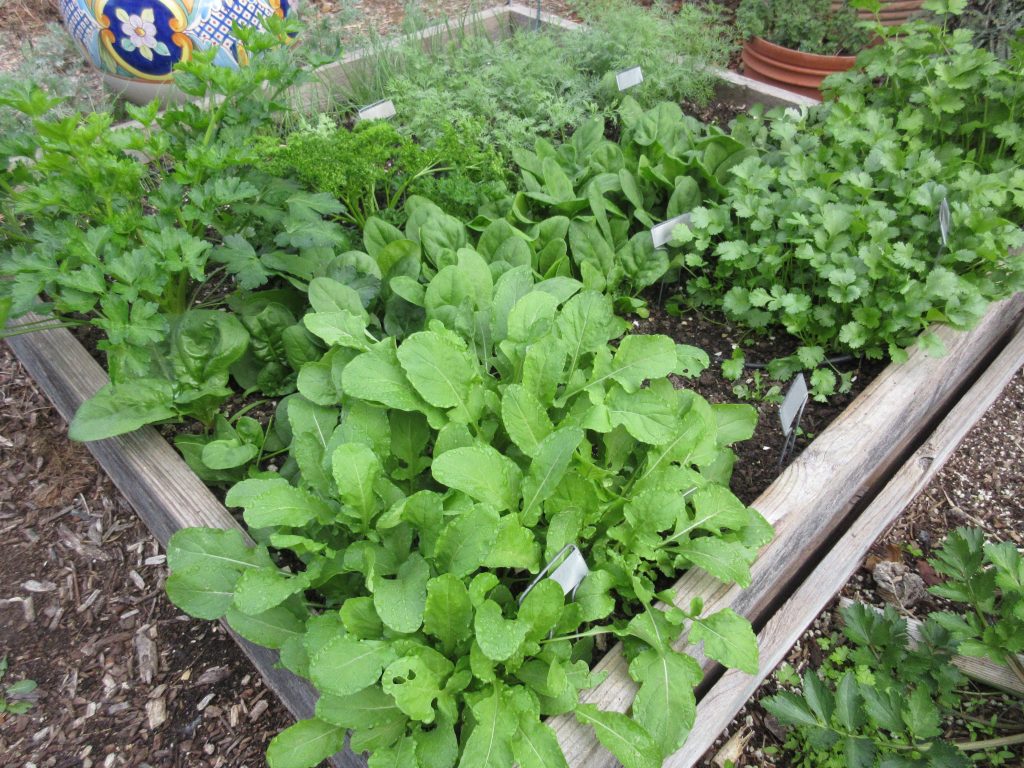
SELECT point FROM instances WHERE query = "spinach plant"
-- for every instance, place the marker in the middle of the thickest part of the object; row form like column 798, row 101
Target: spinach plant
column 430, row 479
column 609, row 194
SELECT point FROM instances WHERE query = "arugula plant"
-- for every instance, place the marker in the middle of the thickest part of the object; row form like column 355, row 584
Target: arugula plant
column 146, row 251
column 430, row 478
column 831, row 230
column 881, row 698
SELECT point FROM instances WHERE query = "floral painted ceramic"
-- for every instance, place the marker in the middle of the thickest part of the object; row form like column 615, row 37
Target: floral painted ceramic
column 136, row 43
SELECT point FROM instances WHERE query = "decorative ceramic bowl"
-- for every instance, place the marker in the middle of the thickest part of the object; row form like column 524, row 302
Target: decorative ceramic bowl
column 136, row 43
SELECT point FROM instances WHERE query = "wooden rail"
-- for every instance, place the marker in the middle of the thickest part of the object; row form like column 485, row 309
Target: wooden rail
column 720, row 705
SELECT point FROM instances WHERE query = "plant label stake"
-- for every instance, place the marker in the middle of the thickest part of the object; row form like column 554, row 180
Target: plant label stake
column 629, row 78
column 569, row 573
column 662, row 233
column 380, row 110
column 790, row 411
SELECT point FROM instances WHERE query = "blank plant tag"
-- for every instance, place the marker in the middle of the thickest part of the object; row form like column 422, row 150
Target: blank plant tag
column 569, row 573
column 944, row 221
column 380, row 110
column 793, row 404
column 662, row 233
column 629, row 78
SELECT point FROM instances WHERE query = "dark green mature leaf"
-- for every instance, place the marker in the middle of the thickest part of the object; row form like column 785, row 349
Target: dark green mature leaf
column 526, row 420
column 120, row 408
column 536, row 746
column 499, row 638
column 790, row 709
column 550, row 462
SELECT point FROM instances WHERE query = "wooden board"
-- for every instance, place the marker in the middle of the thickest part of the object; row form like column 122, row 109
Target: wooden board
column 979, row 669
column 720, row 705
column 814, row 495
column 158, row 484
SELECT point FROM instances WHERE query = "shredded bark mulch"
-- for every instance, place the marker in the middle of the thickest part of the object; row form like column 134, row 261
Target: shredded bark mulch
column 124, row 678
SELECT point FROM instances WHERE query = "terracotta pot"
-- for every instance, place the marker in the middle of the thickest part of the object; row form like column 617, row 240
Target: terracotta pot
column 793, row 70
column 893, row 11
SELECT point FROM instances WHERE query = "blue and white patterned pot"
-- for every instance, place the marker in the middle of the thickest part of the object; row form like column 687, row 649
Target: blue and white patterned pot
column 136, row 43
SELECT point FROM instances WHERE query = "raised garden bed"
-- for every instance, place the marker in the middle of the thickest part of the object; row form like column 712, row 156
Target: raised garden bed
column 809, row 503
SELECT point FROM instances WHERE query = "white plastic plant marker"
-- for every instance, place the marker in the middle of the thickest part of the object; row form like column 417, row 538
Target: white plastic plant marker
column 569, row 573
column 662, row 233
column 944, row 221
column 793, row 404
column 380, row 110
column 629, row 78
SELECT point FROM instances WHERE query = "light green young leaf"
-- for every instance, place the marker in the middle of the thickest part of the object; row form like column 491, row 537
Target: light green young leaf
column 490, row 743
column 728, row 638
column 202, row 590
column 356, row 469
column 440, row 370
column 641, row 357
column 482, row 473
column 725, row 560
column 346, row 665
column 259, row 590
column 271, row 628
column 285, row 505
column 536, row 746
column 377, row 376
column 219, row 548
column 400, row 602
column 525, row 418
column 363, row 709
column 665, row 705
column 549, row 465
column 305, row 744
column 465, row 542
column 448, row 614
column 631, row 744
column 120, row 408
column 499, row 638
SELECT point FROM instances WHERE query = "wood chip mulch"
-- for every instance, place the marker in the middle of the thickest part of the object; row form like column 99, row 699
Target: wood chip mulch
column 124, row 678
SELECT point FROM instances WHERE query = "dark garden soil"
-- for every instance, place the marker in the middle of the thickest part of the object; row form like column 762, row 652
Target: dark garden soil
column 981, row 486
column 758, row 459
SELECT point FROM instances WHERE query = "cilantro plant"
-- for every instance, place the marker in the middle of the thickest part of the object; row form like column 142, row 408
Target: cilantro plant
column 883, row 700
column 831, row 230
column 429, row 479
